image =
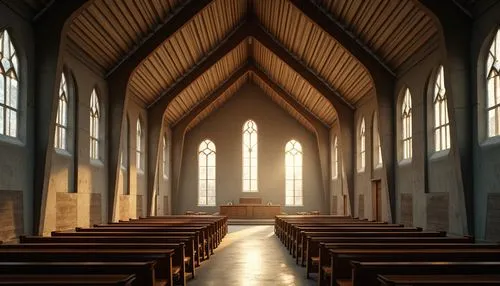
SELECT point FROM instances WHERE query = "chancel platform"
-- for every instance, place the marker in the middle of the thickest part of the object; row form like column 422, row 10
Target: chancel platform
column 250, row 208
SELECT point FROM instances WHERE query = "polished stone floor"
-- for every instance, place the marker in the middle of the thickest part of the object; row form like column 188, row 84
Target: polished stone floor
column 250, row 255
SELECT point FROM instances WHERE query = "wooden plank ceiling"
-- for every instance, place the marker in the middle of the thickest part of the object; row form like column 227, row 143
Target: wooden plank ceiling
column 108, row 30
column 394, row 30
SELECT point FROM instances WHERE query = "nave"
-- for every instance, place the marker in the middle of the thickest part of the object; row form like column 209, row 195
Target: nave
column 250, row 255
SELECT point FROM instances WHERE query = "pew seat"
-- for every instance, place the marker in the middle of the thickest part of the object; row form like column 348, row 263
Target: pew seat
column 410, row 280
column 67, row 279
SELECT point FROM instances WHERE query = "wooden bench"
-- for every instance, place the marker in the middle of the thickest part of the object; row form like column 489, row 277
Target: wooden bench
column 163, row 267
column 144, row 271
column 313, row 242
column 187, row 240
column 178, row 257
column 469, row 280
column 365, row 273
column 340, row 259
column 67, row 279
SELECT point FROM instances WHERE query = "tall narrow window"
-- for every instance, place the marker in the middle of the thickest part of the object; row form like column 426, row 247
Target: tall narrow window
column 95, row 115
column 293, row 173
column 164, row 157
column 9, row 86
column 206, row 173
column 493, row 82
column 406, row 125
column 139, row 146
column 377, row 148
column 250, row 156
column 362, row 146
column 61, row 135
column 441, row 120
column 335, row 159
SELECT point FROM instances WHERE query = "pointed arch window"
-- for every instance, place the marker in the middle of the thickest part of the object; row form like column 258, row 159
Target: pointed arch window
column 250, row 156
column 441, row 120
column 95, row 115
column 493, row 87
column 206, row 173
column 377, row 148
column 9, row 87
column 164, row 158
column 61, row 134
column 406, row 126
column 335, row 159
column 362, row 146
column 139, row 146
column 293, row 173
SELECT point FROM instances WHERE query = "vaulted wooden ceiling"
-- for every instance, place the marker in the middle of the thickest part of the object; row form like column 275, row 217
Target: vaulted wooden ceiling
column 108, row 31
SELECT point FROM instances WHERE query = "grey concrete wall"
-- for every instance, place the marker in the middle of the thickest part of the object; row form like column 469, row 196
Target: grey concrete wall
column 78, row 185
column 363, row 179
column 16, row 156
column 486, row 151
column 275, row 129
column 133, row 203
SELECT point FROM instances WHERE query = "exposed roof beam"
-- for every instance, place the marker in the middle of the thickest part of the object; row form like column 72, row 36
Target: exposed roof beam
column 337, row 30
column 289, row 99
column 224, row 47
column 191, row 115
column 319, row 84
column 162, row 32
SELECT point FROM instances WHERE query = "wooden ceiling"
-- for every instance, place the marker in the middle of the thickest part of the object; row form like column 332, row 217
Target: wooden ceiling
column 110, row 30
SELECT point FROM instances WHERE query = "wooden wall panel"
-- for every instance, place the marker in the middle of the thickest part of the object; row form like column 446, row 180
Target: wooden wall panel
column 407, row 209
column 124, row 206
column 166, row 209
column 95, row 215
column 66, row 211
column 361, row 206
column 493, row 218
column 437, row 211
column 335, row 206
column 11, row 214
column 139, row 208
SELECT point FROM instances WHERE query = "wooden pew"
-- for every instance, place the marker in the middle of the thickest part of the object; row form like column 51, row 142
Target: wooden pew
column 67, row 279
column 313, row 245
column 187, row 240
column 326, row 247
column 178, row 257
column 299, row 241
column 340, row 259
column 144, row 271
column 203, row 243
column 365, row 273
column 163, row 257
column 198, row 255
column 203, row 230
column 469, row 280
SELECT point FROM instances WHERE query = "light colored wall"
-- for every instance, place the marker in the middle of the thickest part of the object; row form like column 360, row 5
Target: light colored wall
column 16, row 156
column 363, row 180
column 77, row 194
column 275, row 129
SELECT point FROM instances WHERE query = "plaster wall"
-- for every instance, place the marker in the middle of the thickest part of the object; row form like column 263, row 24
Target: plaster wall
column 275, row 129
column 16, row 155
column 486, row 151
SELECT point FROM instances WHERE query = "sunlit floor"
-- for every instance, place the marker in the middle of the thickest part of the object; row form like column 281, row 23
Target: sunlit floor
column 250, row 255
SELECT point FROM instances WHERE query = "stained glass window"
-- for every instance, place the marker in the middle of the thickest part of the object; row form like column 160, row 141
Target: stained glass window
column 95, row 115
column 9, row 86
column 441, row 120
column 493, row 87
column 250, row 156
column 206, row 173
column 293, row 173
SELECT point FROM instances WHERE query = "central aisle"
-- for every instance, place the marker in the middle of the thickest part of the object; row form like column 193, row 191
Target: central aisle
column 250, row 255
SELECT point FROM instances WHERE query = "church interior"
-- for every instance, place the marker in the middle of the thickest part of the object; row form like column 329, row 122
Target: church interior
column 185, row 135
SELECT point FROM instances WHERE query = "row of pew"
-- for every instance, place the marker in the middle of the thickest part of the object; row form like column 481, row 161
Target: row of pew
column 345, row 251
column 162, row 250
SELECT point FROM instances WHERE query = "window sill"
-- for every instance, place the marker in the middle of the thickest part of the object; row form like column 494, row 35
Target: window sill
column 439, row 155
column 206, row 206
column 62, row 152
column 335, row 178
column 359, row 171
column 405, row 162
column 96, row 163
column 140, row 171
column 491, row 141
column 377, row 167
column 11, row 140
column 294, row 205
